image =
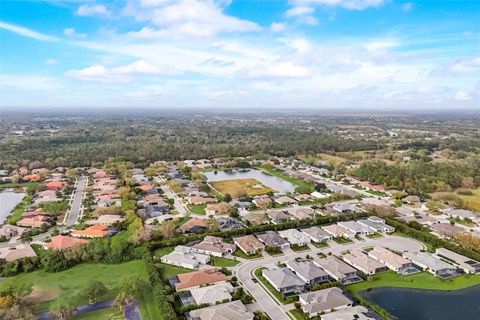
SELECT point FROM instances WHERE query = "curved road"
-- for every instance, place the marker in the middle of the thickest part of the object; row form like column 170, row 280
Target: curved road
column 244, row 271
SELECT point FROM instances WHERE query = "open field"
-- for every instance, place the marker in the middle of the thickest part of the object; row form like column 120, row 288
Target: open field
column 471, row 202
column 239, row 187
column 421, row 280
column 335, row 160
column 198, row 208
column 48, row 286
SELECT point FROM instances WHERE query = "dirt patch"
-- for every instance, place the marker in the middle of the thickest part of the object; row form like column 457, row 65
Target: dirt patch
column 240, row 187
column 40, row 295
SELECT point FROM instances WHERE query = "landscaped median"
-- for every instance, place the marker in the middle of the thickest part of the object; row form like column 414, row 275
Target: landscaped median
column 280, row 298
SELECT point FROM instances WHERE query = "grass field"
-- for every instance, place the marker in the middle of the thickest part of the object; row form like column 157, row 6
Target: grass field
column 240, row 187
column 470, row 202
column 241, row 254
column 297, row 314
column 421, row 280
column 223, row 262
column 47, row 286
column 103, row 314
column 19, row 210
column 162, row 251
column 166, row 270
column 335, row 160
column 198, row 208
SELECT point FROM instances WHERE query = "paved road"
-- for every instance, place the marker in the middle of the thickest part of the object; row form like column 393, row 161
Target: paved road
column 268, row 304
column 77, row 202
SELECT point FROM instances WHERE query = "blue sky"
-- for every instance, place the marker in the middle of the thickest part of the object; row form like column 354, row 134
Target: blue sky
column 378, row 54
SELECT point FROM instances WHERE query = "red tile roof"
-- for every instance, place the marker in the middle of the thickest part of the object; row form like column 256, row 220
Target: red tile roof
column 198, row 278
column 64, row 242
column 95, row 231
column 145, row 187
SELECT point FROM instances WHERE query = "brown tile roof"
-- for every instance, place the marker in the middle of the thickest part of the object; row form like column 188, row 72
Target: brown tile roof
column 193, row 222
column 198, row 278
column 95, row 231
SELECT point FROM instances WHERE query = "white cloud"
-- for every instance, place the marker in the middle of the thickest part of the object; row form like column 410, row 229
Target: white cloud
column 71, row 32
column 346, row 4
column 51, row 61
column 278, row 27
column 28, row 82
column 462, row 96
column 278, row 70
column 299, row 11
column 26, row 32
column 186, row 18
column 92, row 73
column 92, row 10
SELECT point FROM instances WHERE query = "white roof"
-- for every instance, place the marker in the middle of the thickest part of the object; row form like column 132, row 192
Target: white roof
column 212, row 294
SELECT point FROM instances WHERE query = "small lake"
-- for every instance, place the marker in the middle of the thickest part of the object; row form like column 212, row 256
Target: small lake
column 414, row 304
column 8, row 201
column 272, row 182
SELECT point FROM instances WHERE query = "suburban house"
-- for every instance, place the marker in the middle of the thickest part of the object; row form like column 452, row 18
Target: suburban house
column 468, row 265
column 316, row 234
column 213, row 246
column 210, row 295
column 153, row 199
column 17, row 252
column 278, row 216
column 308, row 271
column 284, row 281
column 460, row 213
column 196, row 279
column 295, row 237
column 55, row 185
column 356, row 228
column 285, row 201
column 446, row 229
column 345, row 206
column 36, row 221
column 248, row 244
column 339, row 270
column 234, row 310
column 229, row 223
column 106, row 220
column 432, row 264
column 303, row 197
column 364, row 263
column 95, row 231
column 336, row 231
column 63, row 242
column 8, row 231
column 324, row 301
column 185, row 257
column 301, row 213
column 152, row 211
column 262, row 202
column 320, row 195
column 272, row 239
column 350, row 313
column 194, row 225
column 217, row 208
column 376, row 226
column 392, row 260
column 202, row 200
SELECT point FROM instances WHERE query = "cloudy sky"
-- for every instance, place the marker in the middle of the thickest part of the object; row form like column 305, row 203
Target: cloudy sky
column 379, row 54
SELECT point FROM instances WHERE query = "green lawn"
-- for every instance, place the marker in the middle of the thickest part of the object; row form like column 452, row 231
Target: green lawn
column 147, row 306
column 241, row 254
column 375, row 235
column 30, row 186
column 103, row 314
column 298, row 314
column 198, row 208
column 68, row 282
column 167, row 270
column 162, row 251
column 19, row 210
column 421, row 280
column 320, row 245
column 298, row 248
column 223, row 262
column 342, row 240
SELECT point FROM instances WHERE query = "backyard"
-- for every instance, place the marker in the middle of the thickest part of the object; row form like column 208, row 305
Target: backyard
column 240, row 187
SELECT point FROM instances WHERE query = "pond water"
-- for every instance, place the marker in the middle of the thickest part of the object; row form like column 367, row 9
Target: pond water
column 8, row 201
column 414, row 304
column 272, row 182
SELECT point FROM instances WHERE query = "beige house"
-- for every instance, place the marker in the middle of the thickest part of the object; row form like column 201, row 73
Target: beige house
column 249, row 244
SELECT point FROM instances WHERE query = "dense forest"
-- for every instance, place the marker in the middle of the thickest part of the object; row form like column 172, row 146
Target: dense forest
column 85, row 143
column 420, row 177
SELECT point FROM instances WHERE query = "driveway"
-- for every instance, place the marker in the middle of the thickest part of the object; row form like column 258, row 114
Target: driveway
column 244, row 270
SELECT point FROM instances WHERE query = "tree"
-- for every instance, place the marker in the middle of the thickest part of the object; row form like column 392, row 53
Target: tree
column 227, row 197
column 129, row 288
column 167, row 229
column 94, row 290
column 213, row 224
column 62, row 308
